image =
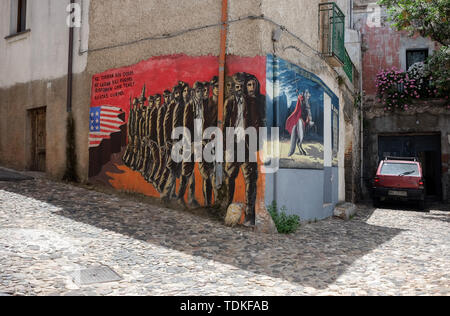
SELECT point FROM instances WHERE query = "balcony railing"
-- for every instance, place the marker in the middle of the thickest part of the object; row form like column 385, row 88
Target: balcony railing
column 348, row 66
column 332, row 33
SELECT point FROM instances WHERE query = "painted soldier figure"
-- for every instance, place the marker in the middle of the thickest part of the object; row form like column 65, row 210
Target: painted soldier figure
column 167, row 127
column 137, row 163
column 127, row 155
column 207, row 169
column 194, row 110
column 130, row 152
column 161, row 140
column 152, row 143
column 174, row 168
column 146, row 137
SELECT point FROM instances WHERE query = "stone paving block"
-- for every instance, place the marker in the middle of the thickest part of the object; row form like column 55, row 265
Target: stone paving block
column 345, row 211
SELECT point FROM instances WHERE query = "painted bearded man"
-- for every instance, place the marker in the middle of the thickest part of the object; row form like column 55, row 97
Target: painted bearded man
column 244, row 109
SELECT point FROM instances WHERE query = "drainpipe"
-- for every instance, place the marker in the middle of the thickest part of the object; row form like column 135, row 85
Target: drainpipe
column 222, row 61
column 275, row 113
column 361, row 87
column 222, row 64
column 71, row 161
column 70, row 67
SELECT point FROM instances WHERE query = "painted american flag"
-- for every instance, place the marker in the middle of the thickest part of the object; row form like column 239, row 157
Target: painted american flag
column 104, row 121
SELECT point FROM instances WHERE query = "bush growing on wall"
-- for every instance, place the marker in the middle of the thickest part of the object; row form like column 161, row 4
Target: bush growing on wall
column 439, row 69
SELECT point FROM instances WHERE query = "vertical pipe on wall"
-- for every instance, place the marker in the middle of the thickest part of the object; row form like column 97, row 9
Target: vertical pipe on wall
column 70, row 173
column 222, row 63
column 361, row 91
column 222, row 60
column 70, row 66
column 275, row 109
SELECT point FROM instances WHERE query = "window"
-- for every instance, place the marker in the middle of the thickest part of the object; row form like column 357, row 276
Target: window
column 415, row 55
column 18, row 16
column 400, row 169
column 22, row 16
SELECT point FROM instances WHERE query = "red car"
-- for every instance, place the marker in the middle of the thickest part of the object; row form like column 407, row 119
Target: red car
column 399, row 179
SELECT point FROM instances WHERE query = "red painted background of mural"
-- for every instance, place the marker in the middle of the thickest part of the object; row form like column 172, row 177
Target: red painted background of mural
column 115, row 88
column 161, row 73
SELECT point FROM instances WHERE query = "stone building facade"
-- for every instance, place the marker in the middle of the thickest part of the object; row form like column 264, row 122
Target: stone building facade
column 126, row 56
column 422, row 131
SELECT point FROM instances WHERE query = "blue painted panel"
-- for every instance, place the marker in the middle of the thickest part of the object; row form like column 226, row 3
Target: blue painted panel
column 301, row 192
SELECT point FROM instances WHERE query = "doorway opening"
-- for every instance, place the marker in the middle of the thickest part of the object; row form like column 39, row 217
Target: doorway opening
column 426, row 148
column 38, row 139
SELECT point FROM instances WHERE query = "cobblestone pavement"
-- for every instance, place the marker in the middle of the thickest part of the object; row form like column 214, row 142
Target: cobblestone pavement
column 50, row 230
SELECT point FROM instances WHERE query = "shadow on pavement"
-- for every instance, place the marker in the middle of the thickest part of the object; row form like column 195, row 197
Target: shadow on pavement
column 313, row 257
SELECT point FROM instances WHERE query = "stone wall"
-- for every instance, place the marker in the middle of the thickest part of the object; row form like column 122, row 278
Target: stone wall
column 34, row 75
column 117, row 34
column 429, row 116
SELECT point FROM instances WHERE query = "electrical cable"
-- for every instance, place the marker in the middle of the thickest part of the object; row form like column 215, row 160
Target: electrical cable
column 199, row 28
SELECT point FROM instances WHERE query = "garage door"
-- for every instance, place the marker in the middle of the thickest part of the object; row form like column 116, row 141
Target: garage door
column 427, row 148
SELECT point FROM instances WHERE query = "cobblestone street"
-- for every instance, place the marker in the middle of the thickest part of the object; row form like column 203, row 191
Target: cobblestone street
column 50, row 230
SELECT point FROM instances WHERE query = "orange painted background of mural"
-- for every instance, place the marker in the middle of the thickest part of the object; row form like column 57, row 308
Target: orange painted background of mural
column 132, row 181
column 117, row 87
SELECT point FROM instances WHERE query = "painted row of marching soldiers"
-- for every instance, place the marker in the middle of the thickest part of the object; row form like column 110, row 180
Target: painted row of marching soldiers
column 150, row 127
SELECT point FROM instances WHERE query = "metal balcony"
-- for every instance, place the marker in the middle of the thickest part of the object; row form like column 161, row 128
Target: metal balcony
column 348, row 66
column 332, row 33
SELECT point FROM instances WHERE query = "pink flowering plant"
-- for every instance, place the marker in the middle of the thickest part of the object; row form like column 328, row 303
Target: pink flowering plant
column 398, row 89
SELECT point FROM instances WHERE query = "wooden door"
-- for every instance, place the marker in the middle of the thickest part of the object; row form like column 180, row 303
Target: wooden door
column 38, row 143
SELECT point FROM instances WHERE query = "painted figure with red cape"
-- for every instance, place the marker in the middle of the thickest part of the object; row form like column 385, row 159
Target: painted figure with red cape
column 298, row 122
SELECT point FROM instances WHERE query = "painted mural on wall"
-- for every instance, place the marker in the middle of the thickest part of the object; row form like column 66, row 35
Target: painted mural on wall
column 295, row 104
column 134, row 111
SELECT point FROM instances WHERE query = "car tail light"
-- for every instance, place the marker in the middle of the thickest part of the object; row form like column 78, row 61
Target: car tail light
column 376, row 180
column 421, row 184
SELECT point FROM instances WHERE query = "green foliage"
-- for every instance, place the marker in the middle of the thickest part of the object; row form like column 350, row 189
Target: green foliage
column 439, row 70
column 286, row 224
column 426, row 17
